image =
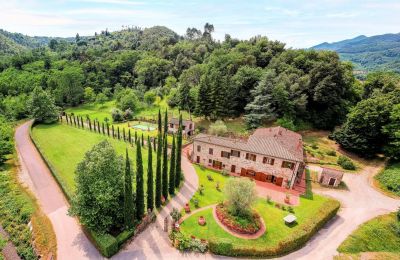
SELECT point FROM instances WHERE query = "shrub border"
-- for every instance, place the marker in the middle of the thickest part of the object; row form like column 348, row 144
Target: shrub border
column 219, row 212
column 288, row 245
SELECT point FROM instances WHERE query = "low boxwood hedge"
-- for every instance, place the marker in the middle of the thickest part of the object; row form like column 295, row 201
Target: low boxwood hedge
column 291, row 243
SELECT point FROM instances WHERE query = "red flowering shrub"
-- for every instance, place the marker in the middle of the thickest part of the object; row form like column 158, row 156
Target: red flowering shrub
column 241, row 224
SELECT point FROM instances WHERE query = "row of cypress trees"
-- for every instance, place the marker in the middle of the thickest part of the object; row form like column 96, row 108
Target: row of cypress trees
column 104, row 128
column 166, row 181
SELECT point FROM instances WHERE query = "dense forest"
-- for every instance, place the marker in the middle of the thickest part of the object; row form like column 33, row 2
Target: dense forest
column 258, row 79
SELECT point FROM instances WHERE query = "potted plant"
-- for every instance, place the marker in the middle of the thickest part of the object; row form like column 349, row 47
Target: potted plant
column 287, row 198
column 202, row 221
column 187, row 208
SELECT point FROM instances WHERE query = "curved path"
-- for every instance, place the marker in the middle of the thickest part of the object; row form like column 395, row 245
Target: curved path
column 72, row 243
column 360, row 203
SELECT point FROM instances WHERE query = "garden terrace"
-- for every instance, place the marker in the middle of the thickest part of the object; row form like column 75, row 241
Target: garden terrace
column 278, row 239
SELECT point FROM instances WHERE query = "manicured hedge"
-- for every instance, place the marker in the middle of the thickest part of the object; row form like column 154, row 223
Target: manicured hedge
column 308, row 228
column 105, row 243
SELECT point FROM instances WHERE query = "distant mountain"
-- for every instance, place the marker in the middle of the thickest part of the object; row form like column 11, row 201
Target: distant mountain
column 11, row 43
column 380, row 52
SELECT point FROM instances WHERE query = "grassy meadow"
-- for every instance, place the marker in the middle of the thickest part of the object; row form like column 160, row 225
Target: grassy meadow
column 376, row 235
column 65, row 146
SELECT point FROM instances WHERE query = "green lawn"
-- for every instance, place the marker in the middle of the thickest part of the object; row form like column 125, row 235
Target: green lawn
column 210, row 195
column 277, row 231
column 389, row 179
column 324, row 151
column 65, row 146
column 100, row 112
column 376, row 235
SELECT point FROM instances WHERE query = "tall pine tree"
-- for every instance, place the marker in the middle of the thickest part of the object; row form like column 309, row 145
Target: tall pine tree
column 150, row 185
column 172, row 168
column 129, row 209
column 178, row 170
column 139, row 183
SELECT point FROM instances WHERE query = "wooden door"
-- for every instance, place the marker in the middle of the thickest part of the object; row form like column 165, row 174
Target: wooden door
column 332, row 182
column 233, row 168
column 278, row 181
column 198, row 159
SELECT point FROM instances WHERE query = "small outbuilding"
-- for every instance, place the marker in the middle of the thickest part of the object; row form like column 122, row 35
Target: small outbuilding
column 331, row 177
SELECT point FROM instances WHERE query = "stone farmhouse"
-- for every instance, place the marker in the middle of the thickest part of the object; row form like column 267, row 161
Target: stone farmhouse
column 272, row 155
column 187, row 126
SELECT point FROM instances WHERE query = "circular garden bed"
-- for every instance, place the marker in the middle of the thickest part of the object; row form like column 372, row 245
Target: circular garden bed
column 249, row 224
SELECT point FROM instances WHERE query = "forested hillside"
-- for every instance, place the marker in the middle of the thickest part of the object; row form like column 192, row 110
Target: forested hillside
column 257, row 78
column 380, row 52
column 13, row 43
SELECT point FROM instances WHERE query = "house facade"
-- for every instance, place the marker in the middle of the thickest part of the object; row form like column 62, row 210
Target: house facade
column 187, row 126
column 270, row 155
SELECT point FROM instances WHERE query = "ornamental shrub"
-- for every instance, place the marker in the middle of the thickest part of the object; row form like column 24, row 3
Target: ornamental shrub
column 346, row 163
column 117, row 115
column 218, row 128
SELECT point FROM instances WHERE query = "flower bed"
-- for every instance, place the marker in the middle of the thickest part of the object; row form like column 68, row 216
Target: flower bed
column 242, row 225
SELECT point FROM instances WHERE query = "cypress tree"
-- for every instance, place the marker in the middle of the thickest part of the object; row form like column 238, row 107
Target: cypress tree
column 165, row 169
column 78, row 123
column 150, row 185
column 154, row 143
column 142, row 140
column 128, row 198
column 94, row 125
column 82, row 124
column 118, row 132
column 135, row 137
column 178, row 170
column 90, row 124
column 158, row 172
column 98, row 126
column 74, row 120
column 108, row 129
column 112, row 130
column 159, row 120
column 102, row 127
column 139, row 183
column 166, row 123
column 66, row 118
column 172, row 168
column 129, row 136
column 123, row 133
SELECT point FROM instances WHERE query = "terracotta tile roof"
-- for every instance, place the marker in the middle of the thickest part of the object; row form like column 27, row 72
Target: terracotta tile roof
column 275, row 142
column 332, row 172
column 176, row 121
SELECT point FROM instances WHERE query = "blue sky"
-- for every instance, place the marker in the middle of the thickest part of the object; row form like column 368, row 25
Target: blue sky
column 295, row 22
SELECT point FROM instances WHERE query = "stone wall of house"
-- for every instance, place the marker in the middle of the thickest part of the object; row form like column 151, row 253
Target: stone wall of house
column 241, row 162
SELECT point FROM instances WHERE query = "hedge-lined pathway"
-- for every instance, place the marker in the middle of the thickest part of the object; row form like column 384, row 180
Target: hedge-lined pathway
column 72, row 243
